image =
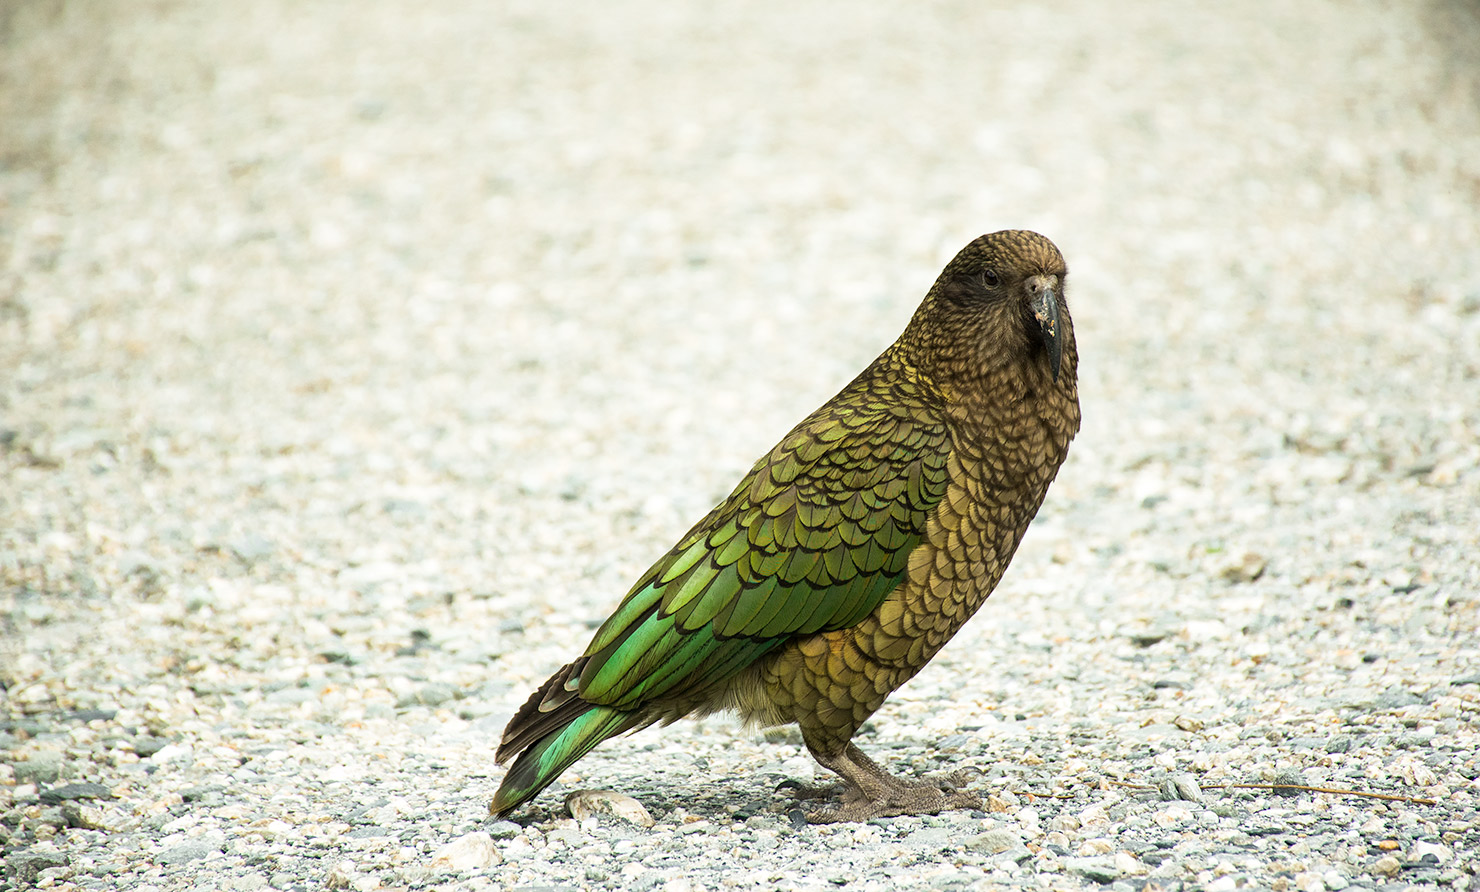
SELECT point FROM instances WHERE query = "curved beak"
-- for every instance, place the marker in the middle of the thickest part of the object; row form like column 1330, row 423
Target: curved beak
column 1043, row 300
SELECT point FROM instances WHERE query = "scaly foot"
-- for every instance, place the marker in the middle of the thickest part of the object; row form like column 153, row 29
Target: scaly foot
column 798, row 790
column 872, row 792
column 916, row 799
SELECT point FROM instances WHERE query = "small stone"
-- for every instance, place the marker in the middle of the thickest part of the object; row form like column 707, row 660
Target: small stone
column 1440, row 854
column 434, row 694
column 1094, row 818
column 92, row 715
column 1063, row 823
column 800, row 768
column 1173, row 815
column 1335, row 880
column 205, row 794
column 788, row 734
column 83, row 817
column 953, row 744
column 583, row 804
column 68, row 792
column 469, row 852
column 1247, row 569
column 1100, row 870
column 173, row 752
column 1018, row 854
column 1308, row 881
column 929, row 837
column 192, row 850
column 1387, row 866
column 247, row 882
column 251, row 548
column 148, row 746
column 993, row 842
column 26, row 867
column 1423, row 737
column 1397, row 698
column 52, row 817
column 42, row 767
column 1181, row 786
column 1286, row 780
column 1129, row 865
column 341, row 876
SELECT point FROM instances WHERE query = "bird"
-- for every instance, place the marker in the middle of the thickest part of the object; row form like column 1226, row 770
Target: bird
column 850, row 553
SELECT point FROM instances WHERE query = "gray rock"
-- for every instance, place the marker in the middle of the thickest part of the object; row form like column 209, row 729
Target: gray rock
column 582, row 804
column 471, row 851
column 501, row 829
column 26, row 867
column 1096, row 868
column 68, row 792
column 1288, row 779
column 929, row 837
column 252, row 548
column 993, row 842
column 1397, row 698
column 84, row 817
column 41, row 767
column 1426, row 850
column 148, row 746
column 190, row 850
column 434, row 694
column 205, row 794
column 1181, row 786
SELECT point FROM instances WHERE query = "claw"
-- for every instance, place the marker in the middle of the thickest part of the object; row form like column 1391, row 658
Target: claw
column 962, row 776
column 798, row 790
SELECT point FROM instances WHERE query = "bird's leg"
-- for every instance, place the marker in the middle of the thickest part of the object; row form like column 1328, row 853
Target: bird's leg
column 872, row 792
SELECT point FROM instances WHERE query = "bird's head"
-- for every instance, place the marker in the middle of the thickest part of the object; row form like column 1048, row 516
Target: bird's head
column 998, row 303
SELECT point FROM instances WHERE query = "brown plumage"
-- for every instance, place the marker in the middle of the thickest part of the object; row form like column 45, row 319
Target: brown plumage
column 852, row 551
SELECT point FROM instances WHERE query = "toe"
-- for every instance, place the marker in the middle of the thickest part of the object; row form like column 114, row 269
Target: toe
column 799, row 790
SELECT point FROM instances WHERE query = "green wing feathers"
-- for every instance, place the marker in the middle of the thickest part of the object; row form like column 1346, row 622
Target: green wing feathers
column 813, row 539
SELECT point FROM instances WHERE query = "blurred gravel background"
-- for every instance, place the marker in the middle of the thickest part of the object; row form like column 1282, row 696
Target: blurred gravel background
column 354, row 357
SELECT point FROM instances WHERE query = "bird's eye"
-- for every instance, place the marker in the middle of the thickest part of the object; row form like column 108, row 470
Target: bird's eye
column 991, row 278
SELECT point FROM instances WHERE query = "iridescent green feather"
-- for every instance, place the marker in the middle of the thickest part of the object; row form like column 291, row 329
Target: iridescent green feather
column 811, row 540
column 537, row 766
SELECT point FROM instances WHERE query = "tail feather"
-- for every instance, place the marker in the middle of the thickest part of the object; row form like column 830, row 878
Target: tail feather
column 542, row 761
column 552, row 707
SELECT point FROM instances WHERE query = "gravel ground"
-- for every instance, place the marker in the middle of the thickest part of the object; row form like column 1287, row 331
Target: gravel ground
column 355, row 357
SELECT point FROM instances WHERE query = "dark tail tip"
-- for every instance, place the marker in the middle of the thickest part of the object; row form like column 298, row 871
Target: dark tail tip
column 543, row 761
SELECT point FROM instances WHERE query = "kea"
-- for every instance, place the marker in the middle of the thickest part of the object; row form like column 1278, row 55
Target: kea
column 851, row 552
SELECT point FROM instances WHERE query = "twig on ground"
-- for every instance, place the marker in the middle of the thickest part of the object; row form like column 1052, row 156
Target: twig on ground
column 1391, row 797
